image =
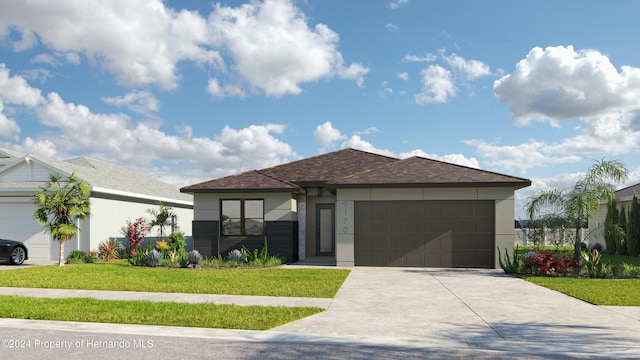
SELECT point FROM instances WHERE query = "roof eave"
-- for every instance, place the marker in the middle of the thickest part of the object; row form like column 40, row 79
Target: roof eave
column 242, row 190
column 515, row 185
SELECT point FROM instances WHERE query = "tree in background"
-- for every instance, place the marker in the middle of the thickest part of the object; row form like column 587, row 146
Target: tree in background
column 622, row 221
column 633, row 228
column 161, row 217
column 60, row 204
column 612, row 229
column 582, row 200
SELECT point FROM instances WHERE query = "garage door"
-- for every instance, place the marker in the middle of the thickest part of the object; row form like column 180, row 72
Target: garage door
column 424, row 233
column 17, row 223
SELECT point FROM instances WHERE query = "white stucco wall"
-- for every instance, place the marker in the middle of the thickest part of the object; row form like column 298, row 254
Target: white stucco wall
column 108, row 216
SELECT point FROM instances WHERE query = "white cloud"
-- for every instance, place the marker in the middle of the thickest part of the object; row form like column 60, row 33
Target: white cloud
column 275, row 50
column 450, row 158
column 16, row 90
column 394, row 4
column 139, row 41
column 326, row 134
column 403, row 76
column 520, row 157
column 221, row 91
column 356, row 142
column 391, row 26
column 9, row 129
column 414, row 58
column 560, row 83
column 141, row 102
column 437, row 86
column 470, row 69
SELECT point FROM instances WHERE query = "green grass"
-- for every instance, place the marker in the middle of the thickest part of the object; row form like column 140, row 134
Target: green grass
column 623, row 292
column 152, row 313
column 318, row 283
column 617, row 260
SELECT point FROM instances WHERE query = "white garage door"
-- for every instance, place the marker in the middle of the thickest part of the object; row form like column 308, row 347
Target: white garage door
column 17, row 223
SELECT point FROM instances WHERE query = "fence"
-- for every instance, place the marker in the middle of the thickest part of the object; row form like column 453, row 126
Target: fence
column 551, row 236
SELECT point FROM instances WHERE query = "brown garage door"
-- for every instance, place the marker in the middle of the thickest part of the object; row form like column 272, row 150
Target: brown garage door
column 424, row 233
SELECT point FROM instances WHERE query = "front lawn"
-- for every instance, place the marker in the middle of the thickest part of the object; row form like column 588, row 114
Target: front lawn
column 317, row 283
column 621, row 292
column 152, row 313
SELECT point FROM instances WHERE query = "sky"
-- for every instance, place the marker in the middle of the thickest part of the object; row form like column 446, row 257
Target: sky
column 188, row 91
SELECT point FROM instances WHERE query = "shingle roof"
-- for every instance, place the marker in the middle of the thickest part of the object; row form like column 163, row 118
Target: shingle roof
column 627, row 193
column 253, row 180
column 418, row 171
column 356, row 168
column 110, row 177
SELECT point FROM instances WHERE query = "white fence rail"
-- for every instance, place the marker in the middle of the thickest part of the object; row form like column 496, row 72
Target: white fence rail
column 552, row 237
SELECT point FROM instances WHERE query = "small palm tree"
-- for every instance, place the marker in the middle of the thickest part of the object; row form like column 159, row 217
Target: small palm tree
column 584, row 198
column 60, row 203
column 161, row 217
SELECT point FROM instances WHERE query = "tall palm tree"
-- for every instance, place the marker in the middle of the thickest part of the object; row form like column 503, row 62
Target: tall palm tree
column 584, row 198
column 60, row 203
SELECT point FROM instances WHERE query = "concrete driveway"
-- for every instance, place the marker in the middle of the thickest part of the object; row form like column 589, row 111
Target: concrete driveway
column 484, row 309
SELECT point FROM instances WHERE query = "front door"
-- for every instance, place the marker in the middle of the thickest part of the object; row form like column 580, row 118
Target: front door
column 325, row 230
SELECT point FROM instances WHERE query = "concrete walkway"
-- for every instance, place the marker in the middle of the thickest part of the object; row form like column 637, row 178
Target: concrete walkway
column 416, row 307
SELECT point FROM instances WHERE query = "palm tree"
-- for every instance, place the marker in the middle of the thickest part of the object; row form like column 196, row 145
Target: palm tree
column 161, row 217
column 584, row 198
column 60, row 203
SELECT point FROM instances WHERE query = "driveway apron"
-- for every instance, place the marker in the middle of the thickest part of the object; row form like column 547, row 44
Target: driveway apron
column 479, row 308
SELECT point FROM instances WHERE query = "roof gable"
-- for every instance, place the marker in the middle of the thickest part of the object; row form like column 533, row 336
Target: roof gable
column 326, row 167
column 102, row 176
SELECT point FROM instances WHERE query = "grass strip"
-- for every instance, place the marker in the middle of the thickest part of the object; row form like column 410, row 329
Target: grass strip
column 622, row 292
column 152, row 313
column 316, row 283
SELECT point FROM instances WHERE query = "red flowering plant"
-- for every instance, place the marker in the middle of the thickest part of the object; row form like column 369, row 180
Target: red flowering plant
column 546, row 263
column 135, row 231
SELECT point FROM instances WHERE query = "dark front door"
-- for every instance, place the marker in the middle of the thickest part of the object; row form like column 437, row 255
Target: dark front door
column 325, row 230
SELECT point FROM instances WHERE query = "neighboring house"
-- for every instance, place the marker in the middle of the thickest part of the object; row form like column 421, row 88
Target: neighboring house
column 117, row 194
column 359, row 208
column 624, row 198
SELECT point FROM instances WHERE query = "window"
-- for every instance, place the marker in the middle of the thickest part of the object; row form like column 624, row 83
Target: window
column 242, row 217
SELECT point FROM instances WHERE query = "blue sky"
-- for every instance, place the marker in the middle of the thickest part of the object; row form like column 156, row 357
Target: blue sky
column 192, row 90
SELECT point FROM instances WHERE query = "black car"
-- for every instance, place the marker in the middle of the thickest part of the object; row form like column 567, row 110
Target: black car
column 14, row 252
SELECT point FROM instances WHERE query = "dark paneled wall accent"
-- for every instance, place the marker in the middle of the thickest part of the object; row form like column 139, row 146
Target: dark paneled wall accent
column 282, row 240
column 205, row 237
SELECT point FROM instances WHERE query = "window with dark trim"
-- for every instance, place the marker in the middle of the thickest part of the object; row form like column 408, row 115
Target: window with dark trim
column 242, row 217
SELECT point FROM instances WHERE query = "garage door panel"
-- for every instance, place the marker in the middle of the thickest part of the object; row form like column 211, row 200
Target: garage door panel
column 424, row 233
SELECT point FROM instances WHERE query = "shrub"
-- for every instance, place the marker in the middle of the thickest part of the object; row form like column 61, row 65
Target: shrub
column 78, row 257
column 183, row 259
column 596, row 268
column 163, row 247
column 154, row 258
column 545, row 263
column 177, row 240
column 139, row 258
column 135, row 232
column 235, row 255
column 110, row 249
column 509, row 266
column 194, row 258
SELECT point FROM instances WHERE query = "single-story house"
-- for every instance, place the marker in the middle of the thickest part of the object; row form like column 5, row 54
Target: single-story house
column 117, row 194
column 624, row 197
column 363, row 209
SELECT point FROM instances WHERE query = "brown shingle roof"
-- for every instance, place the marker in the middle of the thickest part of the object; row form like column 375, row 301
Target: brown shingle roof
column 253, row 180
column 627, row 193
column 326, row 167
column 356, row 168
column 418, row 171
